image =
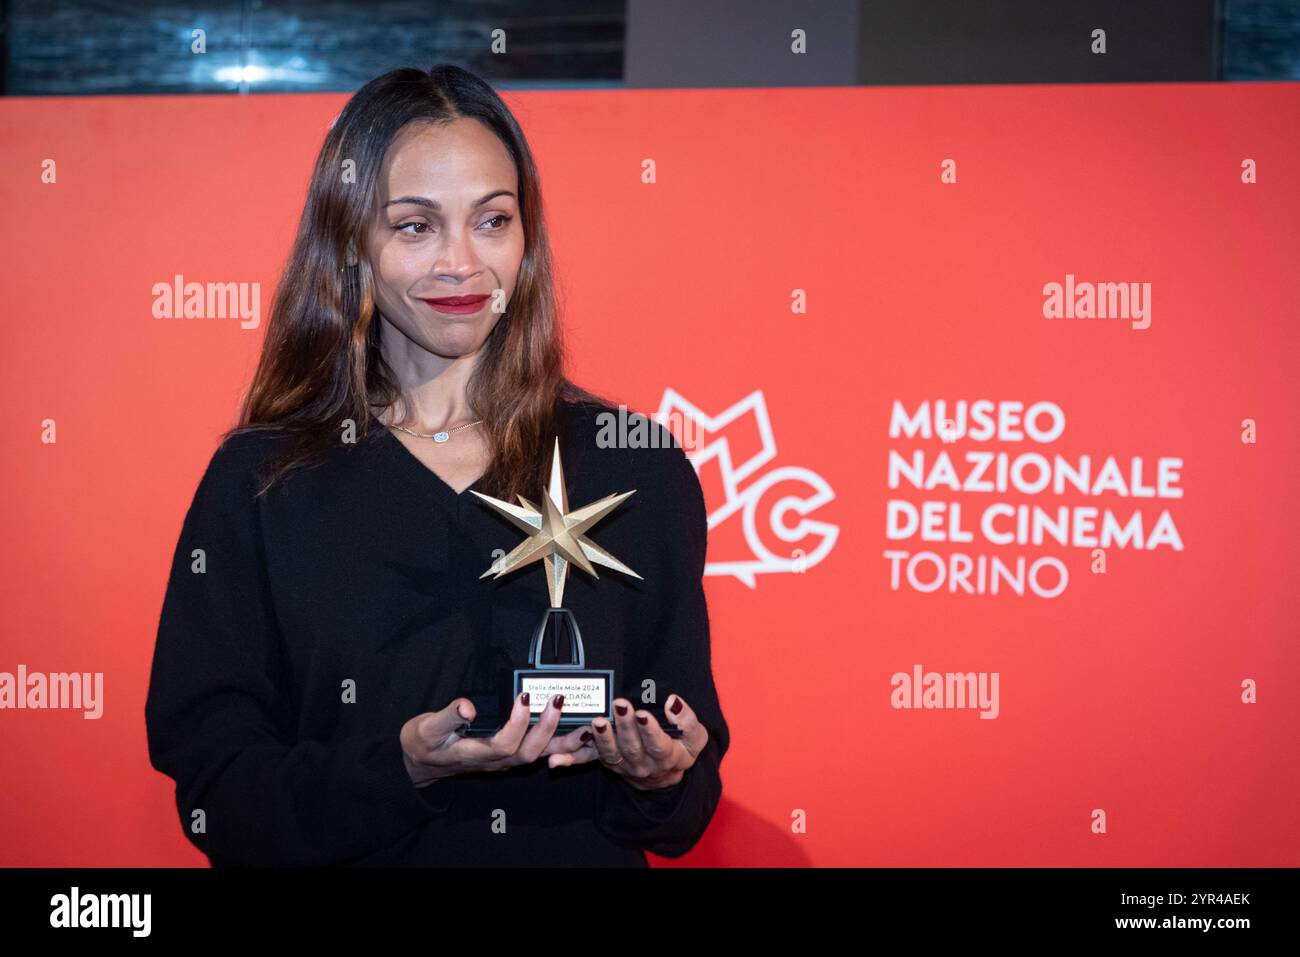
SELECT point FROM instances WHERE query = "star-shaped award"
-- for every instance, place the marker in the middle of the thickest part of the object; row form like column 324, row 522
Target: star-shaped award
column 555, row 535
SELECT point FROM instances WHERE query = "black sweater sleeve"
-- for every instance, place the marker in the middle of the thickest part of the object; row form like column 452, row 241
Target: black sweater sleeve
column 219, row 717
column 670, row 821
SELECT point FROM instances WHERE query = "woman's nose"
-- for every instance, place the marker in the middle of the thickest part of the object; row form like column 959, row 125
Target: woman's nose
column 457, row 255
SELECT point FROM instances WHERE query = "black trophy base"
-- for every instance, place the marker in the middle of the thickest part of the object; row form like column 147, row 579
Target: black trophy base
column 588, row 692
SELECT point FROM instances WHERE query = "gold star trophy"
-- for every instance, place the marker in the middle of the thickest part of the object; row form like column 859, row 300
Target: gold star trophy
column 556, row 536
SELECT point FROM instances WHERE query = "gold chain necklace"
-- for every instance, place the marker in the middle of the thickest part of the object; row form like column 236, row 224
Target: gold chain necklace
column 441, row 436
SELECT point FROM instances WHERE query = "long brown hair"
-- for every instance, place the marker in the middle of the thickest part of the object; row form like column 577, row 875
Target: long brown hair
column 320, row 364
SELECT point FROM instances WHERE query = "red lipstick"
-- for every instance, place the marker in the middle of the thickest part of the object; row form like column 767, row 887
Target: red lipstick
column 457, row 305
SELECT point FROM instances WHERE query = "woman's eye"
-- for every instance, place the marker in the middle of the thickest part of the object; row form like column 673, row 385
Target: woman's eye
column 419, row 228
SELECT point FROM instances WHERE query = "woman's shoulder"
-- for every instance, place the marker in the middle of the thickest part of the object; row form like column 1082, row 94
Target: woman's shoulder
column 245, row 448
column 620, row 451
column 238, row 463
column 610, row 426
column 629, row 444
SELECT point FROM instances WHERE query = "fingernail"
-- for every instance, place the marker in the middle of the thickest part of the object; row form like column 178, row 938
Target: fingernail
column 523, row 698
column 677, row 706
column 621, row 709
column 602, row 728
column 642, row 718
column 586, row 736
column 558, row 701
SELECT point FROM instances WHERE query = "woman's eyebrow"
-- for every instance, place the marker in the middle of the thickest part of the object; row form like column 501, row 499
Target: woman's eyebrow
column 437, row 207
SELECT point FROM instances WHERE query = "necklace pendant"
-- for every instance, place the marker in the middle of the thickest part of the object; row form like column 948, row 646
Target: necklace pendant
column 441, row 436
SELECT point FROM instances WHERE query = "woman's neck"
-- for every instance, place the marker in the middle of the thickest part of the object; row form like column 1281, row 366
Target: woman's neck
column 433, row 387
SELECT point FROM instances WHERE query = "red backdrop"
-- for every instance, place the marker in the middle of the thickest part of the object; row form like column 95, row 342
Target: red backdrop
column 1123, row 694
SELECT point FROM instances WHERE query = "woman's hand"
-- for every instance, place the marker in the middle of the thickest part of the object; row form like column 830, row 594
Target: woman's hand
column 635, row 746
column 432, row 748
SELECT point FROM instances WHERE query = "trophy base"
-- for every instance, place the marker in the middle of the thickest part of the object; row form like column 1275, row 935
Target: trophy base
column 588, row 693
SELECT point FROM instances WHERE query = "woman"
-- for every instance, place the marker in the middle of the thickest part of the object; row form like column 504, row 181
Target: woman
column 326, row 632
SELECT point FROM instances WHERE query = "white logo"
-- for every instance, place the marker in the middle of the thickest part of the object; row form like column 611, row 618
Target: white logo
column 674, row 406
column 103, row 910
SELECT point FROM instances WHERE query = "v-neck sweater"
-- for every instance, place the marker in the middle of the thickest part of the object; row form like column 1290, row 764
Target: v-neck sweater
column 301, row 631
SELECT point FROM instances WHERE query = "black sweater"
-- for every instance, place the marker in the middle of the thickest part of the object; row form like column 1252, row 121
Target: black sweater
column 359, row 578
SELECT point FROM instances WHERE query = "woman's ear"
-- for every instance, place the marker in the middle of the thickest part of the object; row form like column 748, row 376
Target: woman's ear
column 351, row 259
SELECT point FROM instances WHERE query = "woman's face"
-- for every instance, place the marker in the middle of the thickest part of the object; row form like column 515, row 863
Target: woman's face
column 446, row 226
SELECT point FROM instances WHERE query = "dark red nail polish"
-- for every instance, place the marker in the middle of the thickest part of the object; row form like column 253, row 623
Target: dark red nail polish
column 559, row 701
column 643, row 719
column 621, row 709
column 677, row 706
column 586, row 736
column 524, row 698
